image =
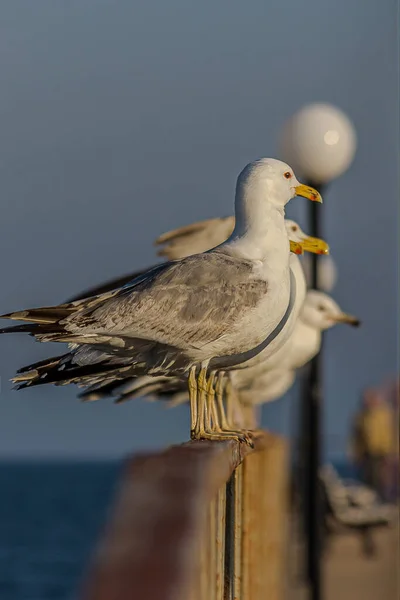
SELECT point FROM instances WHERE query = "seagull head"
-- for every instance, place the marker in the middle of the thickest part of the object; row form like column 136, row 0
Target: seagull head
column 300, row 240
column 322, row 312
column 274, row 180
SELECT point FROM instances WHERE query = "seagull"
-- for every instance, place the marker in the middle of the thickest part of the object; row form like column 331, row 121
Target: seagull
column 228, row 385
column 193, row 317
column 320, row 312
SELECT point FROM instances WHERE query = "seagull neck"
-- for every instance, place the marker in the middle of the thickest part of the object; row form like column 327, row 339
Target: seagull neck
column 260, row 230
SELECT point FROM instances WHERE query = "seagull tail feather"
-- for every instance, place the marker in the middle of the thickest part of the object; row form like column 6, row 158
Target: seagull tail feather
column 131, row 388
column 61, row 370
column 29, row 328
column 109, row 386
column 37, row 373
column 46, row 315
column 159, row 388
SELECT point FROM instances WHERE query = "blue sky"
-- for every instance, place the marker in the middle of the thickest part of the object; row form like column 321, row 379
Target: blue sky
column 123, row 119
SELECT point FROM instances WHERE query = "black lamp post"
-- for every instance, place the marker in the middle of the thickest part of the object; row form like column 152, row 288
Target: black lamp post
column 311, row 444
column 319, row 142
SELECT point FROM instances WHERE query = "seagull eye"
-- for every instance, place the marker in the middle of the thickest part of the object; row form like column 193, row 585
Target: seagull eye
column 287, row 175
column 294, row 228
column 321, row 307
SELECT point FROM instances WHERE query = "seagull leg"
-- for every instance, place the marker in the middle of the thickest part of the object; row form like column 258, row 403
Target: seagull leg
column 210, row 423
column 193, row 400
column 199, row 430
column 204, row 429
column 215, row 410
column 251, row 414
column 215, row 417
column 219, row 389
column 218, row 412
column 229, row 394
column 247, row 413
column 221, row 425
column 230, row 423
column 233, row 407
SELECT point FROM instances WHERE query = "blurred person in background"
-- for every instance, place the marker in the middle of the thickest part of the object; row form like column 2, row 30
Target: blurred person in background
column 393, row 398
column 373, row 441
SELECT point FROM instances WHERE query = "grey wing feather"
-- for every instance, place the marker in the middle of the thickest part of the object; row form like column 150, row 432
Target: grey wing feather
column 186, row 303
column 195, row 238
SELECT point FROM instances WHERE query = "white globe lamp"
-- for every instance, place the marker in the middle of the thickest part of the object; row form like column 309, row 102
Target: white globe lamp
column 319, row 142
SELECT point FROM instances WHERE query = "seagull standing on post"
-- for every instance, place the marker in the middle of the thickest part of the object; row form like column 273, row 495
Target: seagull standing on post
column 192, row 317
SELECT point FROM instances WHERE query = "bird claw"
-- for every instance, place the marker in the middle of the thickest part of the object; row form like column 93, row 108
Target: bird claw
column 246, row 438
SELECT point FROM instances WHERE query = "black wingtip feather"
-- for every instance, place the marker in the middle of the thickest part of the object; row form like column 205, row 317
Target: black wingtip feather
column 29, row 328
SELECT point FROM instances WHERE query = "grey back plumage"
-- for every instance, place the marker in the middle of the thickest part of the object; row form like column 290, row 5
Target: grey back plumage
column 172, row 304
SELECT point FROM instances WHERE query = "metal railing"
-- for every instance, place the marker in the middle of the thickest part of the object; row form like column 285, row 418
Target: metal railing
column 201, row 521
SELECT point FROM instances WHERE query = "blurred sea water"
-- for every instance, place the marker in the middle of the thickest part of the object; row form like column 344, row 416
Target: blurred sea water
column 51, row 515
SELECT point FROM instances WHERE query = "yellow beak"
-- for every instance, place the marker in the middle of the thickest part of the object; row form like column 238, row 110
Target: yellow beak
column 308, row 192
column 315, row 245
column 296, row 247
column 349, row 319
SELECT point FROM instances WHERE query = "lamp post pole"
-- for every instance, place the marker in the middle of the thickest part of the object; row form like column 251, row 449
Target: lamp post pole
column 319, row 142
column 311, row 407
